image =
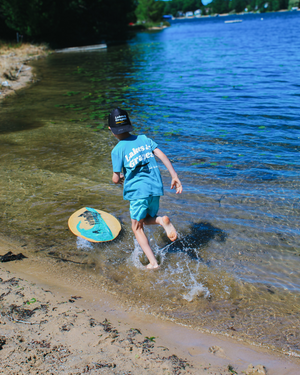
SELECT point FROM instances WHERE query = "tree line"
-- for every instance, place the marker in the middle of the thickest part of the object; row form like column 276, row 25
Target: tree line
column 174, row 7
column 77, row 22
column 66, row 22
column 237, row 6
column 153, row 10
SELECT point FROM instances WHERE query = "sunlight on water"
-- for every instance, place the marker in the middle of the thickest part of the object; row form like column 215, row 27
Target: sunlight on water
column 222, row 102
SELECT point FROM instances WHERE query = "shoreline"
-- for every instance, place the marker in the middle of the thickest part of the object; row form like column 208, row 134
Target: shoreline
column 71, row 321
column 46, row 314
column 231, row 14
column 15, row 73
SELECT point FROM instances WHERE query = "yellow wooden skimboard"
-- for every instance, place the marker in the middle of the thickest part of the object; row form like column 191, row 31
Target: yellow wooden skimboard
column 94, row 225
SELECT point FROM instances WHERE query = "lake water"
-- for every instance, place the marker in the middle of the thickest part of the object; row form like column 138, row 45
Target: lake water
column 222, row 101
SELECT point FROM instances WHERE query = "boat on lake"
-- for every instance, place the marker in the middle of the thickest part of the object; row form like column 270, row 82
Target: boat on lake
column 233, row 21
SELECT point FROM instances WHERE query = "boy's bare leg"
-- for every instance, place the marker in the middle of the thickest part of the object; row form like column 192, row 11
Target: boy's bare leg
column 138, row 230
column 165, row 222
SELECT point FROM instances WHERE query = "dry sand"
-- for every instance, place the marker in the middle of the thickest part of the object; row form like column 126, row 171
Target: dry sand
column 14, row 70
column 51, row 324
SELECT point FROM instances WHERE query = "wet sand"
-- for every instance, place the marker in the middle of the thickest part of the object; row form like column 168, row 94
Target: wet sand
column 50, row 323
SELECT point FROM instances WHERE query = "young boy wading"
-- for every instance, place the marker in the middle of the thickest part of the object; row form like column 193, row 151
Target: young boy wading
column 134, row 156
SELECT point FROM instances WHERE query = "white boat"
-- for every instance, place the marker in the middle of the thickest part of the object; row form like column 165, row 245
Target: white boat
column 233, row 21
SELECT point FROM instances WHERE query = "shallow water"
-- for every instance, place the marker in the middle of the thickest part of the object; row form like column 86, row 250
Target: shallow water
column 222, row 100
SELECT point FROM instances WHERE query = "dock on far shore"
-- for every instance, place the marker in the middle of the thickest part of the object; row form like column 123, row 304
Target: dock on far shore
column 82, row 49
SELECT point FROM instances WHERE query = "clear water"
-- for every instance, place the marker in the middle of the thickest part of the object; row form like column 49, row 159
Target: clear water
column 222, row 101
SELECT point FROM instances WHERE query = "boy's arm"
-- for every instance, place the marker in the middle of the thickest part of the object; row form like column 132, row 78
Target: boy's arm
column 175, row 180
column 117, row 164
column 118, row 178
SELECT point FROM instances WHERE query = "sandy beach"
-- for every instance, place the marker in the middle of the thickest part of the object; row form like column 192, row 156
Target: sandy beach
column 15, row 73
column 55, row 319
column 52, row 324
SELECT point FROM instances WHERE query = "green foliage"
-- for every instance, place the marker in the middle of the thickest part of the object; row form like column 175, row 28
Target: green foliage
column 237, row 6
column 220, row 6
column 33, row 300
column 67, row 22
column 174, row 6
column 293, row 3
column 152, row 338
column 231, row 369
column 150, row 10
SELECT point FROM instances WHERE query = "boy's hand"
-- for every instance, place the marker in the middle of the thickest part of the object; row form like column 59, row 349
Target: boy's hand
column 121, row 181
column 118, row 178
column 176, row 184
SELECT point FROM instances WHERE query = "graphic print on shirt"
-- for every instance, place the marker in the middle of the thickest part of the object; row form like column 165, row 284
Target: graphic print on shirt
column 138, row 156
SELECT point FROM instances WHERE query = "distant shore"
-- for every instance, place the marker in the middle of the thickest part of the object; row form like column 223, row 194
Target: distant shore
column 229, row 14
column 165, row 24
column 15, row 73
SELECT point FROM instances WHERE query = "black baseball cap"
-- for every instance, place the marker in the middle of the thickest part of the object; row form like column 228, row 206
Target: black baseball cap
column 118, row 121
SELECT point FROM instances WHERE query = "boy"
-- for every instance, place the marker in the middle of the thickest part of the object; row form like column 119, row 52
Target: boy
column 134, row 155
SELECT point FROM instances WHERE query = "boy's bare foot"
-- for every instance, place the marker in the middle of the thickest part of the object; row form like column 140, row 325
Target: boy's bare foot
column 152, row 267
column 169, row 228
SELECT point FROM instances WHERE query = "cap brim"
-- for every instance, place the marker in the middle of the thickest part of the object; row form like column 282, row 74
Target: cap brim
column 122, row 129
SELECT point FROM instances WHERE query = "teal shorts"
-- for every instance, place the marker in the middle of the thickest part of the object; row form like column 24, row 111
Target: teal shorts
column 140, row 208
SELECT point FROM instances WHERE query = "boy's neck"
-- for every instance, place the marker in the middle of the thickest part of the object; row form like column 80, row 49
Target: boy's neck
column 122, row 136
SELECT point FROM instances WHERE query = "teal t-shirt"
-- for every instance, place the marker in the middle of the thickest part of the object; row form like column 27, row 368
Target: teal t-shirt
column 134, row 157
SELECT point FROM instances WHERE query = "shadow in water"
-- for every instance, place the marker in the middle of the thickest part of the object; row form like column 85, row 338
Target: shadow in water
column 200, row 234
column 16, row 125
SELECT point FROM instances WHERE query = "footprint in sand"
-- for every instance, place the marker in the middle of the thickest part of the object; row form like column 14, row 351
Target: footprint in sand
column 193, row 351
column 216, row 350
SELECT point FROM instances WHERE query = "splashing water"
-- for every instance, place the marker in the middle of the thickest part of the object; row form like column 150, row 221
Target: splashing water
column 83, row 244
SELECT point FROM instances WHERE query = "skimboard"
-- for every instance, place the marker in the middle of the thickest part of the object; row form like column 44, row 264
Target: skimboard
column 94, row 225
